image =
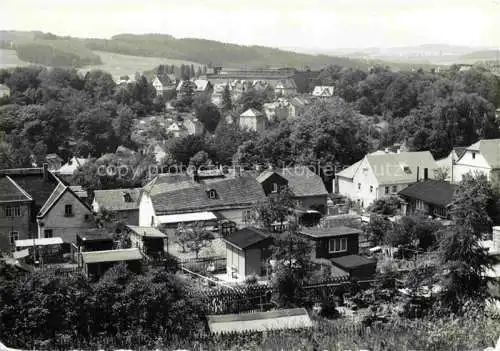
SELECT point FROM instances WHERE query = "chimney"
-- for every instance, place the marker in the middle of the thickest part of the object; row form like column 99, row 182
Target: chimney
column 45, row 171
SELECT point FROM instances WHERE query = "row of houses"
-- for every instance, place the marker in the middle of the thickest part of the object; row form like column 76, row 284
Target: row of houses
column 427, row 184
column 36, row 203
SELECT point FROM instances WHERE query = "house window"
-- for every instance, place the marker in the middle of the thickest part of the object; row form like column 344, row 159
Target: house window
column 386, row 190
column 13, row 211
column 48, row 233
column 394, row 189
column 371, row 188
column 473, row 155
column 127, row 197
column 68, row 211
column 337, row 245
column 212, row 194
column 275, row 188
column 247, row 216
column 359, row 186
column 13, row 237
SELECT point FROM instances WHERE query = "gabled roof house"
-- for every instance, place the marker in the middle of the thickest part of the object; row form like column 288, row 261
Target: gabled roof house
column 170, row 199
column 382, row 174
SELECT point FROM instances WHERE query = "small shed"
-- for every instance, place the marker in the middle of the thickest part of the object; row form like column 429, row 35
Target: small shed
column 296, row 318
column 357, row 266
column 94, row 240
column 96, row 263
column 149, row 240
column 247, row 251
column 333, row 242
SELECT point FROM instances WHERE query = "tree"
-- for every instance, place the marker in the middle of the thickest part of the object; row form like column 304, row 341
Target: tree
column 252, row 98
column 199, row 159
column 123, row 123
column 473, row 204
column 99, row 85
column 293, row 265
column 206, row 112
column 182, row 149
column 194, row 237
column 227, row 103
column 463, row 265
column 387, row 206
column 277, row 208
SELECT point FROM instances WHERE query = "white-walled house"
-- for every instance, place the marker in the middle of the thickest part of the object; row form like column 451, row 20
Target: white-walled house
column 481, row 157
column 171, row 199
column 253, row 119
column 382, row 174
column 63, row 215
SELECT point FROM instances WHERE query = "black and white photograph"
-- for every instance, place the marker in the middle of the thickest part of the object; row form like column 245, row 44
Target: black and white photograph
column 266, row 175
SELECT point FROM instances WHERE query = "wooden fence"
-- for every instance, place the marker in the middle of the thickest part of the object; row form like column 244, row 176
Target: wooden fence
column 215, row 264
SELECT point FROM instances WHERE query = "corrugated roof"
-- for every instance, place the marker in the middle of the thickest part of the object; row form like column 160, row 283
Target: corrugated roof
column 247, row 237
column 316, row 232
column 114, row 199
column 394, row 168
column 186, row 195
column 431, row 191
column 303, row 182
column 147, row 232
column 260, row 321
column 112, row 255
column 12, row 192
column 39, row 242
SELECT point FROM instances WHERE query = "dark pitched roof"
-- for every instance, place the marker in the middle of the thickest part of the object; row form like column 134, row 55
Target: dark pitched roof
column 246, row 237
column 186, row 195
column 430, row 191
column 303, row 182
column 460, row 150
column 114, row 199
column 352, row 261
column 11, row 192
column 34, row 182
column 329, row 232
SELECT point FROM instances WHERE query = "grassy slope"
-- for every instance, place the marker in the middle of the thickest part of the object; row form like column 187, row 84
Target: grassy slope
column 119, row 65
column 9, row 59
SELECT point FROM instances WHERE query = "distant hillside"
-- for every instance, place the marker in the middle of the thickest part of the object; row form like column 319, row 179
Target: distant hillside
column 217, row 53
column 50, row 49
column 57, row 53
column 484, row 55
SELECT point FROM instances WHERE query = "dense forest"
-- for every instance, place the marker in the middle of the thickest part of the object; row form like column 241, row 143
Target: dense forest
column 57, row 53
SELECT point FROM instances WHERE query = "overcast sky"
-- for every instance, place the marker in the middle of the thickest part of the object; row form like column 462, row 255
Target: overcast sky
column 311, row 24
